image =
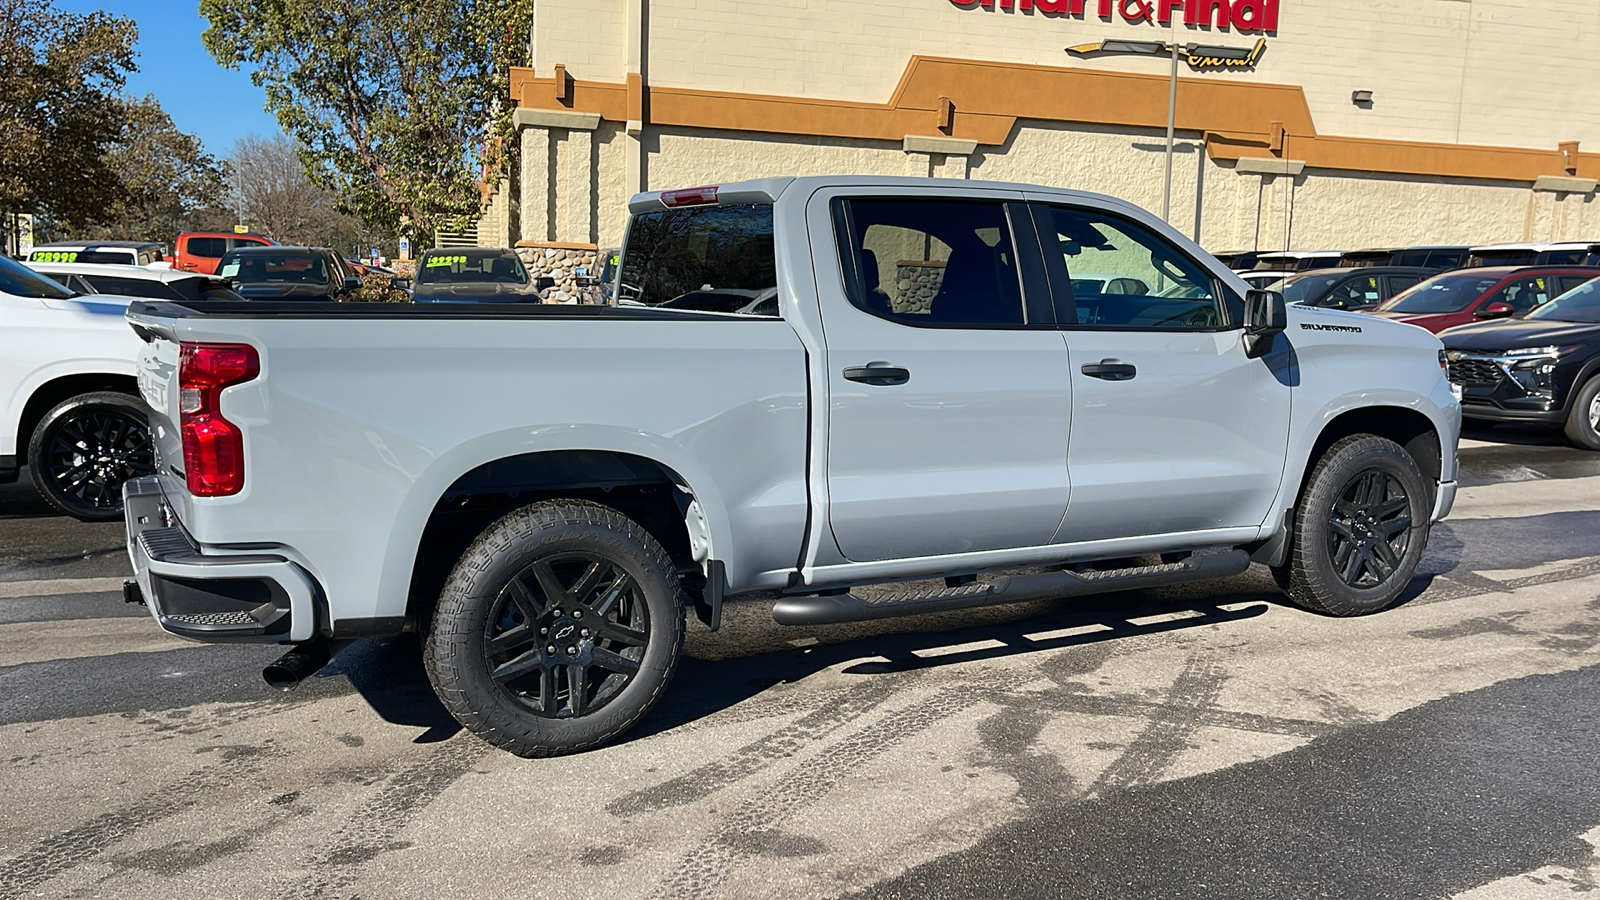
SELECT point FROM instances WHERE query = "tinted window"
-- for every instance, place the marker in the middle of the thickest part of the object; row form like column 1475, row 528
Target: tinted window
column 18, row 280
column 1445, row 259
column 1568, row 282
column 679, row 251
column 1309, row 290
column 1398, row 283
column 1126, row 277
column 933, row 262
column 275, row 268
column 471, row 267
column 1525, row 293
column 1355, row 293
column 1565, row 257
column 209, row 247
column 1581, row 304
column 130, row 287
column 1411, row 258
column 1442, row 294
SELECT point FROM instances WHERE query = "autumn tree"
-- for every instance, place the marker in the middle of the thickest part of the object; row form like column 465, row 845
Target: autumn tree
column 169, row 183
column 396, row 104
column 61, row 75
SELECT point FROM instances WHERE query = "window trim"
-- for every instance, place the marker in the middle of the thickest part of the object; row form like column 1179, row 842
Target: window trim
column 1032, row 284
column 1232, row 306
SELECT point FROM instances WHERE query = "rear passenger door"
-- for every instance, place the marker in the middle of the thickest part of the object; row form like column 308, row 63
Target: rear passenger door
column 948, row 392
column 1173, row 429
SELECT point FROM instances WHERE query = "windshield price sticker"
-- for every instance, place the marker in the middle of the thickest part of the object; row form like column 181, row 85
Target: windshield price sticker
column 56, row 256
column 445, row 260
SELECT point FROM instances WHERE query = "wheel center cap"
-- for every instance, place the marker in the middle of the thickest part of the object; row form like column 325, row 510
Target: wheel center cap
column 563, row 630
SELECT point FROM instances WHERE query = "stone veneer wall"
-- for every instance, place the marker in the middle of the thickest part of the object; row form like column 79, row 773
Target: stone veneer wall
column 561, row 262
column 916, row 284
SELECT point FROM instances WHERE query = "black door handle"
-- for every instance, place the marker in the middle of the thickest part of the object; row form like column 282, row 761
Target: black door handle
column 879, row 373
column 1110, row 370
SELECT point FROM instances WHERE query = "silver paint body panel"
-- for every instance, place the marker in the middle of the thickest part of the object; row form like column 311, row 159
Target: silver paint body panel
column 997, row 452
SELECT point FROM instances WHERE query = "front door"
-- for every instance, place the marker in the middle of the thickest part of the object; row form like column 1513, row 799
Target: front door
column 1173, row 429
column 950, row 402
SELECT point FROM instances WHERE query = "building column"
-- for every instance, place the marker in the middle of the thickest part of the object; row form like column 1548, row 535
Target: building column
column 938, row 156
column 559, row 182
column 1272, row 227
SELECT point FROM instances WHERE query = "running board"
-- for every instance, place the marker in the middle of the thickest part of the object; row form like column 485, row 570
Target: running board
column 831, row 609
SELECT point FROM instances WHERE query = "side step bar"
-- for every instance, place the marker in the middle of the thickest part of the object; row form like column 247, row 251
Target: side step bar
column 832, row 609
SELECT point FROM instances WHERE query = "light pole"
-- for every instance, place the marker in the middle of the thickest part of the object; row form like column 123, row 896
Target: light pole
column 1224, row 56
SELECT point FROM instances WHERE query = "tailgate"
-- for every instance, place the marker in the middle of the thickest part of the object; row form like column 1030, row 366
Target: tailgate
column 157, row 372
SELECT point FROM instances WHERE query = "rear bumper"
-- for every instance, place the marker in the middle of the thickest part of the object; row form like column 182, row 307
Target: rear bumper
column 214, row 598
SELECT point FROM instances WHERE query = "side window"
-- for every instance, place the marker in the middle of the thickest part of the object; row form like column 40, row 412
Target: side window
column 129, row 287
column 1398, row 283
column 1525, row 293
column 210, row 248
column 1124, row 276
column 1446, row 259
column 933, row 262
column 1568, row 282
column 1566, row 257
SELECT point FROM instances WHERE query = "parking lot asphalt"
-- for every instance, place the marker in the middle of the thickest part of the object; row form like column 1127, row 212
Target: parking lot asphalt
column 1203, row 741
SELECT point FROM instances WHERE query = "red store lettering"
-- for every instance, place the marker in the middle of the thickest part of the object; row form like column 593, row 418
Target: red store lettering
column 1239, row 15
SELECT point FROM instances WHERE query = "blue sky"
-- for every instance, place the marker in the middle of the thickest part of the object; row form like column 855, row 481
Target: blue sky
column 204, row 99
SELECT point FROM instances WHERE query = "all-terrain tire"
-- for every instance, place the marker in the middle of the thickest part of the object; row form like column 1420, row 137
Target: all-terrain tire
column 530, row 570
column 86, row 448
column 1331, row 537
column 1583, row 419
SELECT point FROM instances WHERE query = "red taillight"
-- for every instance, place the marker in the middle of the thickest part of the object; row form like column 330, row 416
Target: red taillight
column 700, row 196
column 213, row 447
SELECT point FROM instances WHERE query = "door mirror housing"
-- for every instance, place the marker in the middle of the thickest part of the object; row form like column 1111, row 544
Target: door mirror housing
column 351, row 284
column 1499, row 309
column 1266, row 315
column 400, row 284
column 543, row 283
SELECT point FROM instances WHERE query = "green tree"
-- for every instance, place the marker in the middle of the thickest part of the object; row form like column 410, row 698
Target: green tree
column 60, row 80
column 169, row 183
column 398, row 105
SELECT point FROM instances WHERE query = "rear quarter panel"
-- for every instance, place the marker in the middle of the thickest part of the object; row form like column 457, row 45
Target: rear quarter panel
column 356, row 428
column 42, row 340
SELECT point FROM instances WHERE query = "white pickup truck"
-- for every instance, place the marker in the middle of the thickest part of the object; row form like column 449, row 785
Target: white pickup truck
column 542, row 491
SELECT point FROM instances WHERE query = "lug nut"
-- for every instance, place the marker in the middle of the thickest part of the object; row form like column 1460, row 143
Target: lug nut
column 544, row 631
column 583, row 632
column 577, row 614
column 572, row 651
column 556, row 613
column 551, row 649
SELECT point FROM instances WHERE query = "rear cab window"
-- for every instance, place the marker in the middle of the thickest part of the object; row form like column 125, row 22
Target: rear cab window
column 708, row 259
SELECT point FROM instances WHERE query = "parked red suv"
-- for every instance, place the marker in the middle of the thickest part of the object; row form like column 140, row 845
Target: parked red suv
column 1463, row 296
column 200, row 251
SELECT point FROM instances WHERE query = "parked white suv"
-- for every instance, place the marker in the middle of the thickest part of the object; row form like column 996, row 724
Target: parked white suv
column 136, row 281
column 543, row 489
column 69, row 406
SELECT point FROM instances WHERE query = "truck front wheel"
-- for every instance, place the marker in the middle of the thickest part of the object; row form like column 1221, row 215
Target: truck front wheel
column 1360, row 529
column 558, row 629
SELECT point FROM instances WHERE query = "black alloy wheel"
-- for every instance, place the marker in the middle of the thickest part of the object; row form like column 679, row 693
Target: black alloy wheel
column 558, row 629
column 1360, row 527
column 86, row 449
column 567, row 634
column 1369, row 528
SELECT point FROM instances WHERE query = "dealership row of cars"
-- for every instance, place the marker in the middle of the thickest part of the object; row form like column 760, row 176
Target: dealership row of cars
column 1520, row 322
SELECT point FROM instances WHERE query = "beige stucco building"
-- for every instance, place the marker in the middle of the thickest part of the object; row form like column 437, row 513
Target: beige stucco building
column 1479, row 116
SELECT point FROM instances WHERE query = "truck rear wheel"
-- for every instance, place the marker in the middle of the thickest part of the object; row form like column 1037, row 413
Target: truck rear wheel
column 86, row 448
column 1360, row 529
column 558, row 629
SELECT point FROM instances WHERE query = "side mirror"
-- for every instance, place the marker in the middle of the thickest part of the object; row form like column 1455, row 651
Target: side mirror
column 1499, row 309
column 400, row 284
column 1266, row 315
column 352, row 284
column 543, row 283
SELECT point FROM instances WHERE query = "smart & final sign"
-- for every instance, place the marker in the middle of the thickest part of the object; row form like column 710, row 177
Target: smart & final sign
column 1238, row 15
